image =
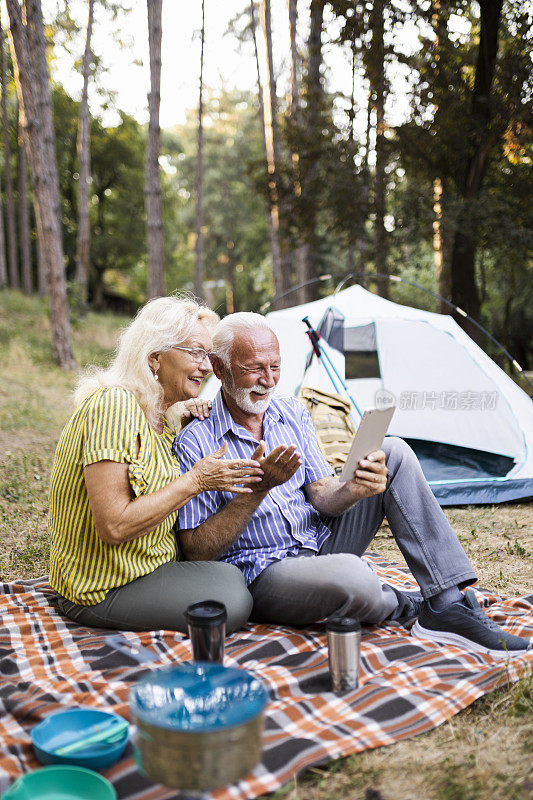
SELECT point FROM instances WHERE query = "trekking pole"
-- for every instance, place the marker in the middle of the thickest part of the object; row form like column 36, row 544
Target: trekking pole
column 314, row 338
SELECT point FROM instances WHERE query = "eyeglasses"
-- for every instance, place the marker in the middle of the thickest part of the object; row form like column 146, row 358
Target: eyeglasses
column 198, row 354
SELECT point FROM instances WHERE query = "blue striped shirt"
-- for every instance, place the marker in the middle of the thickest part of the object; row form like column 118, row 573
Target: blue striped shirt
column 285, row 521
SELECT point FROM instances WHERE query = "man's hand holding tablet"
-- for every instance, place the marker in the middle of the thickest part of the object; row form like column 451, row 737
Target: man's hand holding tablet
column 365, row 465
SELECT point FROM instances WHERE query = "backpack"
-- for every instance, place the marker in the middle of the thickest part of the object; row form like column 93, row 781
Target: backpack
column 334, row 426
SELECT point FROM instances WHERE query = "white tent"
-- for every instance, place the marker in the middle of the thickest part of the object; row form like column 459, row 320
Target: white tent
column 470, row 424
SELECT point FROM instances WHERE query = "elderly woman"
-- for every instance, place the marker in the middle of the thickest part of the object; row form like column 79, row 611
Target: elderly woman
column 116, row 489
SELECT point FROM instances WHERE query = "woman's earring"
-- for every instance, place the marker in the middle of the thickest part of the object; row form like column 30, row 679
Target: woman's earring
column 155, row 375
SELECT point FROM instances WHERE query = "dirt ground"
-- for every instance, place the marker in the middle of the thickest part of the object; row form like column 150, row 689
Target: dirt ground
column 497, row 539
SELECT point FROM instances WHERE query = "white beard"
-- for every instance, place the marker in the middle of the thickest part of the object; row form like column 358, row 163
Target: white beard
column 243, row 400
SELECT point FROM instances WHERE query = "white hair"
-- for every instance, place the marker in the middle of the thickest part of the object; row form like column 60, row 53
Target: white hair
column 160, row 324
column 224, row 332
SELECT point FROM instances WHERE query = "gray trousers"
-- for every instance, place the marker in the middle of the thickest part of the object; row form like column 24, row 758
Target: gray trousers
column 159, row 600
column 304, row 589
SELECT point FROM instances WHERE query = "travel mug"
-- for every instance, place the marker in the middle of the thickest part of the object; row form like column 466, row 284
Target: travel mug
column 344, row 651
column 206, row 622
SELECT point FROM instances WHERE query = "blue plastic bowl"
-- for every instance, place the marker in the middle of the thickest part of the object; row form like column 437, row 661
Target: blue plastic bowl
column 63, row 727
column 61, row 783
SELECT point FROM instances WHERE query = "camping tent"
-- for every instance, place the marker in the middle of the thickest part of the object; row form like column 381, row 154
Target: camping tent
column 469, row 423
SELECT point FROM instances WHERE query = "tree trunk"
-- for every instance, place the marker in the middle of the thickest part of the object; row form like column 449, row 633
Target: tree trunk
column 154, row 215
column 281, row 270
column 273, row 215
column 230, row 283
column 479, row 143
column 42, row 288
column 362, row 245
column 295, row 88
column 98, row 291
column 3, row 265
column 96, row 283
column 299, row 296
column 441, row 242
column 230, row 254
column 377, row 77
column 41, row 89
column 84, row 170
column 12, row 259
column 358, row 243
column 310, row 159
column 439, row 22
column 350, row 260
column 43, row 167
column 199, row 264
column 24, row 210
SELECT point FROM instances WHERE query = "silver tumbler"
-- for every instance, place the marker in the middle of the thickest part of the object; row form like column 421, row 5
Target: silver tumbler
column 206, row 622
column 344, row 651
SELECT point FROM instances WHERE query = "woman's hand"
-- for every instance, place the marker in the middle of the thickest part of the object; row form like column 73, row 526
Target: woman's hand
column 224, row 475
column 195, row 408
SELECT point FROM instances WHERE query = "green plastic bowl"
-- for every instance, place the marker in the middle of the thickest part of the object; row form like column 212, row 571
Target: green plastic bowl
column 61, row 783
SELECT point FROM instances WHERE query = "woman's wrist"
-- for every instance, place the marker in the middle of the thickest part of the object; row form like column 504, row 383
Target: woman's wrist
column 191, row 480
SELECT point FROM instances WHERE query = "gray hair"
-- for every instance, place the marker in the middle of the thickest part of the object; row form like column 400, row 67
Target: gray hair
column 224, row 332
column 160, row 324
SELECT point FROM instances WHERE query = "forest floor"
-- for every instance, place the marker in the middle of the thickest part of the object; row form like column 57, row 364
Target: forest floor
column 484, row 752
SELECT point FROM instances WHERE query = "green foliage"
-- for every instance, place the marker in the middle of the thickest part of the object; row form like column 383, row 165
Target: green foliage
column 66, row 130
column 236, row 248
column 434, row 142
column 117, row 201
column 117, row 197
column 335, row 213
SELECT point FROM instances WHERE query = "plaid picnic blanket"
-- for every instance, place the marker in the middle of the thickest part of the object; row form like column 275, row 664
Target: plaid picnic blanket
column 407, row 686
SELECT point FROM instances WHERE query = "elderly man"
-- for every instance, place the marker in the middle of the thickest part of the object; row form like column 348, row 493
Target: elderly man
column 298, row 535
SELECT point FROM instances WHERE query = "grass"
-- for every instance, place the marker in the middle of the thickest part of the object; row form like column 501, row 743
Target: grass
column 484, row 753
column 35, row 403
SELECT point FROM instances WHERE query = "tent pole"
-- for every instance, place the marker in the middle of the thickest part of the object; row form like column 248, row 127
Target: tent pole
column 314, row 338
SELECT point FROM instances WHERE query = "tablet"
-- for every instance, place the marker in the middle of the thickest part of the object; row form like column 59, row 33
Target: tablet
column 369, row 437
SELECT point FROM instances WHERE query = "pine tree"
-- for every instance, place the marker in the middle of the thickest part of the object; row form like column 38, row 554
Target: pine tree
column 154, row 216
column 199, row 264
column 12, row 259
column 24, row 209
column 84, row 170
column 33, row 89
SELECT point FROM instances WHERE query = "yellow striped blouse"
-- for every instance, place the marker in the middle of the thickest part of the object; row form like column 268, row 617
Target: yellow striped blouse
column 108, row 425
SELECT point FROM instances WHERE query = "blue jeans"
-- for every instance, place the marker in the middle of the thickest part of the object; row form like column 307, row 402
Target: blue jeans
column 303, row 589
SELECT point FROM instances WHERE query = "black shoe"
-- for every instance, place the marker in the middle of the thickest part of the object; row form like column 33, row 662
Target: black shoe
column 465, row 624
column 409, row 605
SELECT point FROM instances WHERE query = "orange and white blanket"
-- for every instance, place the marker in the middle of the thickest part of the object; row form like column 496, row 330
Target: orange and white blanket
column 407, row 686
